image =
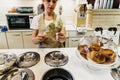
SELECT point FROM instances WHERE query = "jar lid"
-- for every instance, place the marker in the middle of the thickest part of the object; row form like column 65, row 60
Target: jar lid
column 56, row 58
column 57, row 74
column 19, row 74
column 6, row 61
column 28, row 59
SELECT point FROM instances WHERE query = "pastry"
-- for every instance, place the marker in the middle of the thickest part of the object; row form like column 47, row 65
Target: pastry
column 95, row 46
column 95, row 52
column 83, row 49
column 109, row 55
column 96, row 57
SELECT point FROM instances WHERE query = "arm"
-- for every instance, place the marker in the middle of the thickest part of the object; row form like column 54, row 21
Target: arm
column 37, row 38
column 63, row 31
column 34, row 36
column 62, row 35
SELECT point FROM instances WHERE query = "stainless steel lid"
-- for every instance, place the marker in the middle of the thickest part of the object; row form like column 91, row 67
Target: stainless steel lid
column 57, row 74
column 6, row 61
column 19, row 74
column 56, row 58
column 116, row 73
column 28, row 59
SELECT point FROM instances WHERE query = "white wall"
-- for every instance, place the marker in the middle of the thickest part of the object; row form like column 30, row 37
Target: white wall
column 68, row 8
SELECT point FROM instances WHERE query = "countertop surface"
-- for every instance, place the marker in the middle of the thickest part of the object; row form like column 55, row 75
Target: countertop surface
column 78, row 70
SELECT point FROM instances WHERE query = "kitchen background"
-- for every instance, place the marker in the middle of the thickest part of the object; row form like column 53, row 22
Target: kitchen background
column 104, row 18
column 68, row 9
column 100, row 18
column 71, row 61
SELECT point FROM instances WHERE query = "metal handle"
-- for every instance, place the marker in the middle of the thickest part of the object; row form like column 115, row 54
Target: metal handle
column 28, row 34
column 24, row 75
column 74, row 40
column 16, row 34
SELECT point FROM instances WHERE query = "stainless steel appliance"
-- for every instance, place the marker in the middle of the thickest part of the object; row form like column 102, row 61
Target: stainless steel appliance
column 19, row 21
column 24, row 10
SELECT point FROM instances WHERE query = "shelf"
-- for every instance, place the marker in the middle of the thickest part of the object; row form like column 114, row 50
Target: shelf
column 106, row 11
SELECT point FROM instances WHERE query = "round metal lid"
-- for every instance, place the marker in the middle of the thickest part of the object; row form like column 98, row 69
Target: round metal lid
column 57, row 74
column 56, row 58
column 6, row 61
column 28, row 59
column 19, row 74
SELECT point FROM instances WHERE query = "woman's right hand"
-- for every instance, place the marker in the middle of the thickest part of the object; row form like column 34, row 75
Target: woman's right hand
column 38, row 37
column 41, row 37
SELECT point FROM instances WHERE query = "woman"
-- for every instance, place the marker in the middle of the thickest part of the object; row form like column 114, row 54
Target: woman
column 48, row 30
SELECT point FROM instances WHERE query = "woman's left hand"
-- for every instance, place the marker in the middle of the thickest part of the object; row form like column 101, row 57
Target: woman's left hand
column 60, row 37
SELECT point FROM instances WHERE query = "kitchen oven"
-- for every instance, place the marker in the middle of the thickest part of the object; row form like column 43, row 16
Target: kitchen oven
column 18, row 21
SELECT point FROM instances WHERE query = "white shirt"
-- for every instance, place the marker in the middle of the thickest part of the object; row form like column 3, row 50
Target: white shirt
column 35, row 23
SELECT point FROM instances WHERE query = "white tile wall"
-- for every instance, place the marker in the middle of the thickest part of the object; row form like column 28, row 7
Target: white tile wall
column 106, row 19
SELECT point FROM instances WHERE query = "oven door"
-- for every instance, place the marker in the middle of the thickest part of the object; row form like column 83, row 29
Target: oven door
column 18, row 22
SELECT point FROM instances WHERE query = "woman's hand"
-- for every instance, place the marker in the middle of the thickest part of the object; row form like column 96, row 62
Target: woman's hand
column 60, row 37
column 41, row 37
column 37, row 38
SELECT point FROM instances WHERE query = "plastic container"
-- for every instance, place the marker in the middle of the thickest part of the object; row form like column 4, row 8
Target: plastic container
column 4, row 28
column 108, row 4
column 97, row 3
column 111, row 4
column 101, row 4
column 89, row 18
column 105, row 4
